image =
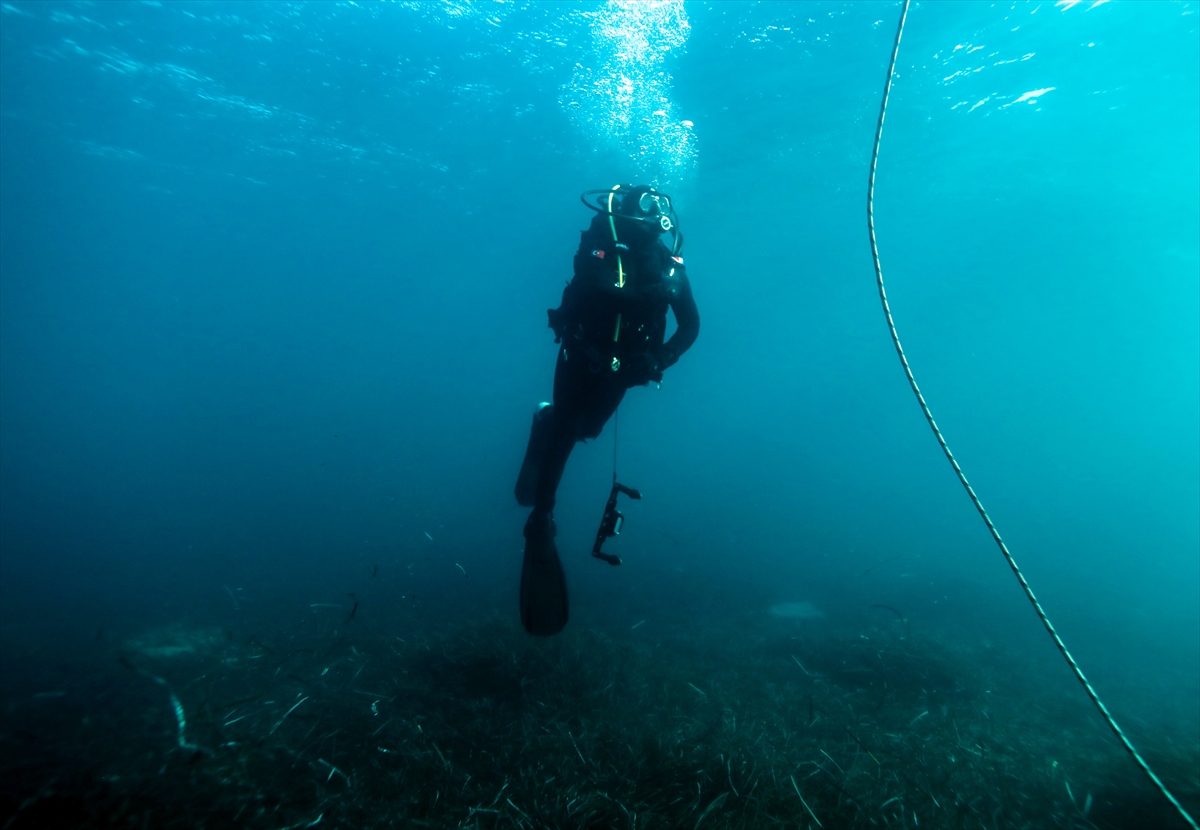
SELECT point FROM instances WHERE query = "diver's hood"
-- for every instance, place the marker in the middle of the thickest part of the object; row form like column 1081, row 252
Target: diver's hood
column 650, row 209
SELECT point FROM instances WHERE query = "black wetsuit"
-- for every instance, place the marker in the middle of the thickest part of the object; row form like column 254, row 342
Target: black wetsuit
column 611, row 324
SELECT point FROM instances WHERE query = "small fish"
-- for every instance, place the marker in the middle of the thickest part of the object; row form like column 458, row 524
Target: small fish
column 464, row 570
column 635, row 625
column 353, row 611
column 374, row 571
column 427, row 536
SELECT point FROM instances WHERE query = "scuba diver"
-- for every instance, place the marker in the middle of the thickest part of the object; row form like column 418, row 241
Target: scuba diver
column 611, row 325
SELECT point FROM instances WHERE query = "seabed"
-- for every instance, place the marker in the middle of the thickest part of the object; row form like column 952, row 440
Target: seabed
column 751, row 722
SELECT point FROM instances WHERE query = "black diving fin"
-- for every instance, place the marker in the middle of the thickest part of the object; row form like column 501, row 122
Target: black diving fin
column 543, row 584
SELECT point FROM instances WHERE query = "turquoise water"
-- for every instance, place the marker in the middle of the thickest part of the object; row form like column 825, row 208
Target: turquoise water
column 272, row 292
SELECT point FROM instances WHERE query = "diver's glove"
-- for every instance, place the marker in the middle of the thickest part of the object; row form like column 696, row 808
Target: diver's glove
column 646, row 368
column 666, row 358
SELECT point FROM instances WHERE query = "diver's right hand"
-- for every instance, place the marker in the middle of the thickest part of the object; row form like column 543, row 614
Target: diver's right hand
column 646, row 368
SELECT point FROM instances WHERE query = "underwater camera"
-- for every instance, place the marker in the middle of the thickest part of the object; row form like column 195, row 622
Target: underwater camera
column 612, row 522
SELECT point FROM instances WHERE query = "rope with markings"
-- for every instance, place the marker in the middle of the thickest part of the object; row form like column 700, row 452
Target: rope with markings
column 912, row 381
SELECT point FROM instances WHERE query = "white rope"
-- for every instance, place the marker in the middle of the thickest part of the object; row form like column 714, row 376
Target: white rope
column 912, row 381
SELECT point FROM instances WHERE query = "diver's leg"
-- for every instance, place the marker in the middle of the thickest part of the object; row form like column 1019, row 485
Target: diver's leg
column 583, row 401
column 573, row 385
column 544, row 604
column 559, row 444
column 535, row 453
column 606, row 396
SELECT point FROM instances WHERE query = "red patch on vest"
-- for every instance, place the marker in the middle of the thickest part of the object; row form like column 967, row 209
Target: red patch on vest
column 598, row 254
column 678, row 259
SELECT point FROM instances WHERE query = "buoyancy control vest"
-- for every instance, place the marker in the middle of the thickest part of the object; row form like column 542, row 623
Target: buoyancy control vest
column 616, row 304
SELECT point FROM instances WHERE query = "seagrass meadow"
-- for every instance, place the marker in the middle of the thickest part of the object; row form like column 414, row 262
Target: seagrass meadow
column 741, row 722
